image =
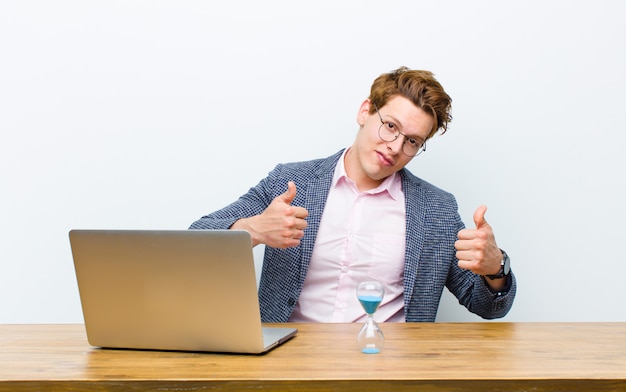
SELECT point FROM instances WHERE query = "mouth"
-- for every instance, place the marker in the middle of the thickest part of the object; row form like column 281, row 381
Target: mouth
column 386, row 161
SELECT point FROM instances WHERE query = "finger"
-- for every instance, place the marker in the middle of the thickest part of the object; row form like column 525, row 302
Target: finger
column 466, row 234
column 290, row 193
column 479, row 217
column 300, row 212
column 461, row 244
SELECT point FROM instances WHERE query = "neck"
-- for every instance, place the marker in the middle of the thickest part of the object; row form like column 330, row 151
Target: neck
column 362, row 180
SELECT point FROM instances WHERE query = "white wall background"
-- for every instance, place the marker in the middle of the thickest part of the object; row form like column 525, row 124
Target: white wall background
column 148, row 114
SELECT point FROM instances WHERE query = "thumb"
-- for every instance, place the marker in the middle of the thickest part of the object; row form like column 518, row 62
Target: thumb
column 290, row 194
column 479, row 217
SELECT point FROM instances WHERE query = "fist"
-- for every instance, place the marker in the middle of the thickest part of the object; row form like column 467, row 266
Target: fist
column 282, row 225
column 476, row 249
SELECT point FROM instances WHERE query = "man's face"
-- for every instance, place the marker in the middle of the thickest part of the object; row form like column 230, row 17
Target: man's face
column 371, row 159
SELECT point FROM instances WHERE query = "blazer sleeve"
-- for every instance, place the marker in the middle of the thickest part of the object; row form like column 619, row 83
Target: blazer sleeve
column 433, row 225
column 254, row 202
column 473, row 292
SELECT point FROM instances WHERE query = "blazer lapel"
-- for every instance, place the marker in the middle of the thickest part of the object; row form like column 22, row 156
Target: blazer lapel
column 415, row 229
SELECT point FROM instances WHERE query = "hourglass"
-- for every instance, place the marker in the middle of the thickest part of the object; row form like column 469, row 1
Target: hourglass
column 370, row 338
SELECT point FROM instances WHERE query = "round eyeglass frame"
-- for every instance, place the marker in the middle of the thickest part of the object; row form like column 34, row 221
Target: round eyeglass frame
column 420, row 150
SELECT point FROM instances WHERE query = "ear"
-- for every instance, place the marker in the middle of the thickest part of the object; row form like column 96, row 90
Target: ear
column 364, row 112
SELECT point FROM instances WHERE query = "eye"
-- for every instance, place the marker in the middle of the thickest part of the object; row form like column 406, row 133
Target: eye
column 417, row 143
column 391, row 126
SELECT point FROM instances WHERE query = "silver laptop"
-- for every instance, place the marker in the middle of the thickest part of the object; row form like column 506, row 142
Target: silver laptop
column 185, row 290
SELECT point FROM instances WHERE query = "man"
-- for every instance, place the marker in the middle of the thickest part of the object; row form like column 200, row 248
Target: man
column 359, row 215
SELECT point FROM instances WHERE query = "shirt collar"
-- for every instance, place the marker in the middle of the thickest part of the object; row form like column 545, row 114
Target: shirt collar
column 392, row 185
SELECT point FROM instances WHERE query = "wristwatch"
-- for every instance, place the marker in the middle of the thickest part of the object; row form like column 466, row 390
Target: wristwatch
column 505, row 267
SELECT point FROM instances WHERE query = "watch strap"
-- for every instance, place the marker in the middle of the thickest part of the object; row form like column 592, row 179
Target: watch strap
column 504, row 267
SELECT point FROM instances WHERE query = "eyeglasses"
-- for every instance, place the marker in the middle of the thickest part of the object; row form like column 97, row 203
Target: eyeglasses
column 389, row 132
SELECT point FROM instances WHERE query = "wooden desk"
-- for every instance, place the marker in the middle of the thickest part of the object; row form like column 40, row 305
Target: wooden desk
column 323, row 357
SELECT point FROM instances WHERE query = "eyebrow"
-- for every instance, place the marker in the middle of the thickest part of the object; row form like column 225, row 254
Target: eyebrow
column 396, row 122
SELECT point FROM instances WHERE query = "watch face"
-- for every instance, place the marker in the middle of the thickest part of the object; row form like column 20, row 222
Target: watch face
column 506, row 268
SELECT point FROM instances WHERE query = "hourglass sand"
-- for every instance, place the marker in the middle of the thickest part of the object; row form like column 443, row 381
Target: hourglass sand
column 370, row 339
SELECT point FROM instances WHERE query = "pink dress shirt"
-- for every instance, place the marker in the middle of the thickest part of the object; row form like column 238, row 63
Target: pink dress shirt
column 361, row 236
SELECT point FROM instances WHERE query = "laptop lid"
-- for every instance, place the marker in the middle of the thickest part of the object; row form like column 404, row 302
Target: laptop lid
column 187, row 290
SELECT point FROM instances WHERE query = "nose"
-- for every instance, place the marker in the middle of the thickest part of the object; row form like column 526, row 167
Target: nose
column 396, row 145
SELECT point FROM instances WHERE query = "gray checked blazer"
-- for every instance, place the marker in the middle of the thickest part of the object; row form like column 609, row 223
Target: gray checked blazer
column 432, row 224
